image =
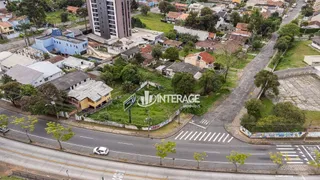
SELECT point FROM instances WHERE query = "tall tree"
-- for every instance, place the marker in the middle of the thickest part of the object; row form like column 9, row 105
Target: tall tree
column 35, row 10
column 11, row 91
column 199, row 157
column 64, row 17
column 277, row 158
column 210, row 82
column 27, row 124
column 228, row 60
column 237, row 159
column 144, row 10
column 131, row 73
column 290, row 112
column 25, row 27
column 172, row 53
column 290, row 29
column 267, row 80
column 183, row 83
column 235, row 18
column 59, row 132
column 83, row 13
column 165, row 7
column 156, row 52
column 4, row 121
column 206, row 11
column 134, row 5
column 164, row 148
column 254, row 107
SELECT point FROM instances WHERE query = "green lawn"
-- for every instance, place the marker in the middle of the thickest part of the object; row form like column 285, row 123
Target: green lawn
column 10, row 178
column 294, row 57
column 153, row 22
column 54, row 17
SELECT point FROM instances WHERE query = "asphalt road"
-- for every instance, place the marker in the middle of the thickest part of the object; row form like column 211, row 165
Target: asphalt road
column 79, row 167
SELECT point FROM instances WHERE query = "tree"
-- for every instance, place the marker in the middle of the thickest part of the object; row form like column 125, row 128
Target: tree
column 139, row 58
column 267, row 80
column 59, row 132
column 11, row 91
column 254, row 107
column 4, row 121
column 290, row 112
column 199, row 157
column 237, row 159
column 35, row 10
column 156, row 52
column 210, row 82
column 136, row 22
column 107, row 77
column 277, row 159
column 83, row 13
column 64, row 17
column 165, row 7
column 228, row 60
column 256, row 19
column 172, row 53
column 134, row 5
column 24, row 27
column 35, row 104
column 290, row 29
column 316, row 162
column 5, row 79
column 28, row 90
column 27, row 124
column 206, row 11
column 256, row 44
column 235, row 18
column 183, row 83
column 273, row 123
column 171, row 35
column 131, row 73
column 144, row 10
column 249, row 122
column 164, row 148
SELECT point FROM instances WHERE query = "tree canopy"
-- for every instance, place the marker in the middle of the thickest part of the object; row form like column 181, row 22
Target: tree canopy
column 267, row 80
column 183, row 83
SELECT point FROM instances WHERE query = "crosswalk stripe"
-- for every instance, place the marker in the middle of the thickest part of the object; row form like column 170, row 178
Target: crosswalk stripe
column 225, row 138
column 290, row 155
column 212, row 136
column 230, row 139
column 285, row 148
column 221, row 137
column 216, row 137
column 193, row 135
column 207, row 136
column 203, row 135
column 179, row 135
column 287, row 152
column 183, row 135
column 294, row 162
column 197, row 136
column 294, row 159
column 188, row 135
column 281, row 145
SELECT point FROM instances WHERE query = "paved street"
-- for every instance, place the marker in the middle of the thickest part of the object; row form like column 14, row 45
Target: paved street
column 202, row 136
column 79, row 167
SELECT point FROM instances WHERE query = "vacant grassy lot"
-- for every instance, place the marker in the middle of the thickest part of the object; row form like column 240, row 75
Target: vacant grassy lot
column 294, row 57
column 153, row 22
column 54, row 17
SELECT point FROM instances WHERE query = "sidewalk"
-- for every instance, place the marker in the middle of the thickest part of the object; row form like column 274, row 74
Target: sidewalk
column 164, row 132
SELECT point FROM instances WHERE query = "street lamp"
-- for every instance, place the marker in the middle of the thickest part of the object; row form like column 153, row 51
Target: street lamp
column 55, row 107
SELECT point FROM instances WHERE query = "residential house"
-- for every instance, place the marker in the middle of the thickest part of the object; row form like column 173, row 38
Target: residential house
column 35, row 74
column 173, row 17
column 313, row 60
column 183, row 67
column 195, row 7
column 14, row 59
column 212, row 36
column 72, row 9
column 230, row 46
column 312, row 25
column 6, row 28
column 206, row 44
column 60, row 44
column 316, row 18
column 241, row 33
column 57, row 60
column 181, row 7
column 201, row 60
column 316, row 42
column 91, row 94
column 183, row 16
column 146, row 53
column 150, row 3
column 76, row 63
column 242, row 27
column 202, row 35
column 71, row 80
column 4, row 55
column 130, row 53
column 16, row 21
column 172, row 43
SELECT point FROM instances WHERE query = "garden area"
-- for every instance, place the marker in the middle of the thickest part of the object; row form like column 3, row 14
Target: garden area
column 293, row 58
column 153, row 22
column 55, row 17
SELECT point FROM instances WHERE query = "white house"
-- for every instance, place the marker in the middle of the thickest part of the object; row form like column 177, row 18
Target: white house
column 75, row 63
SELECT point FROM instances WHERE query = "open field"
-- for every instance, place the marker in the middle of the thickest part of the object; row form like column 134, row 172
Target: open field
column 153, row 22
column 54, row 17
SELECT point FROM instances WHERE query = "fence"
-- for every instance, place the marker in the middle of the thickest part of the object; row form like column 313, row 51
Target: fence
column 267, row 135
column 295, row 72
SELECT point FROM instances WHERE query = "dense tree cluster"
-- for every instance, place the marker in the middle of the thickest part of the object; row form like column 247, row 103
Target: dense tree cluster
column 206, row 21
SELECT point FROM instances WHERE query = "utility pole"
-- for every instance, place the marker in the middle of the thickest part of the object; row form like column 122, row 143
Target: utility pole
column 148, row 120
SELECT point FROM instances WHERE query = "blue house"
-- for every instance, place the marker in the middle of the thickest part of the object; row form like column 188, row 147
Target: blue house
column 59, row 43
column 150, row 3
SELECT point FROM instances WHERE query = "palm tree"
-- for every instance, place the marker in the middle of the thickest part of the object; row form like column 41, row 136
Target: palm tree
column 83, row 13
column 25, row 27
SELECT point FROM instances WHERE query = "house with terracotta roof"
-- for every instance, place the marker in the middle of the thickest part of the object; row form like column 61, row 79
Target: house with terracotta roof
column 181, row 7
column 241, row 33
column 16, row 21
column 146, row 53
column 206, row 45
column 172, row 43
column 242, row 27
column 212, row 36
column 201, row 59
column 72, row 9
column 146, row 49
column 171, row 17
column 6, row 28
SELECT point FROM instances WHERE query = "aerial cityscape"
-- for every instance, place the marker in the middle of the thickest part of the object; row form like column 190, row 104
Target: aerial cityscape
column 159, row 89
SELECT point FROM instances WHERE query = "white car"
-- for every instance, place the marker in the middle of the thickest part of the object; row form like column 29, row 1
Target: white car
column 101, row 150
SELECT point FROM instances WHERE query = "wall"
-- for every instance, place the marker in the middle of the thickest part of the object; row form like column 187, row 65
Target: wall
column 66, row 47
column 267, row 135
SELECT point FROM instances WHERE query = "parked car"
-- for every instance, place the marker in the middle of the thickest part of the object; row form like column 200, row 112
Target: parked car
column 101, row 150
column 4, row 129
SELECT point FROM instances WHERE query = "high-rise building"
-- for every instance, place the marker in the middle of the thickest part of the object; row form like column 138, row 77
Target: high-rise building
column 110, row 18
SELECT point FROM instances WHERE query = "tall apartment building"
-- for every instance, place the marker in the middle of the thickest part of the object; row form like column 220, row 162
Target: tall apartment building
column 110, row 18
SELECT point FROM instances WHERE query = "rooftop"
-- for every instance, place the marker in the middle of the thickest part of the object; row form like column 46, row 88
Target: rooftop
column 174, row 43
column 69, row 39
column 47, row 68
column 131, row 51
column 93, row 90
column 5, row 24
column 65, row 82
column 15, row 59
column 56, row 59
column 23, row 74
column 184, row 67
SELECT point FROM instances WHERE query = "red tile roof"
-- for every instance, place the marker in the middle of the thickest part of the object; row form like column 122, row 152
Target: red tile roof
column 56, row 59
column 173, row 15
column 242, row 26
column 206, row 57
column 147, row 49
column 212, row 35
column 5, row 24
column 72, row 9
column 172, row 43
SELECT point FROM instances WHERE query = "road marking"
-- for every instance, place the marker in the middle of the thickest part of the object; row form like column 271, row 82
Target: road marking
column 285, row 148
column 207, row 136
column 212, row 136
column 197, row 125
column 216, row 137
column 290, row 155
column 295, row 162
column 193, row 135
column 307, row 152
column 225, row 138
column 287, row 152
column 188, row 135
column 281, row 145
column 86, row 137
column 230, row 139
column 318, row 148
column 179, row 135
column 203, row 135
column 197, row 136
column 221, row 137
column 294, row 159
column 130, row 144
column 183, row 135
